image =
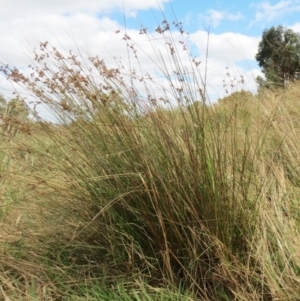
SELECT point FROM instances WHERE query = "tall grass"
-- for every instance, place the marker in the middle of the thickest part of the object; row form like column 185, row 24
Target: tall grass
column 148, row 184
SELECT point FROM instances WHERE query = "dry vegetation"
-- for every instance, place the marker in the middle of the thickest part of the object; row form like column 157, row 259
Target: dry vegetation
column 123, row 200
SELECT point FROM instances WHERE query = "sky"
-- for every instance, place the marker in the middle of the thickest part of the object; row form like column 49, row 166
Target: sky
column 229, row 30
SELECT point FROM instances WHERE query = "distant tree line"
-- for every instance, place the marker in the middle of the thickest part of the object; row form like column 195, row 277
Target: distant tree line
column 13, row 114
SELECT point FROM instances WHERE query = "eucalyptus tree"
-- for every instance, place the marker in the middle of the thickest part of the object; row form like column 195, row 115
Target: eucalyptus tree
column 279, row 55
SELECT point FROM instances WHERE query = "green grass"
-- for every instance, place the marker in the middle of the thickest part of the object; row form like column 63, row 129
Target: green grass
column 121, row 202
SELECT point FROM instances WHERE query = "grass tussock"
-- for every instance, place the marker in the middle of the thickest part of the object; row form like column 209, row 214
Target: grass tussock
column 142, row 190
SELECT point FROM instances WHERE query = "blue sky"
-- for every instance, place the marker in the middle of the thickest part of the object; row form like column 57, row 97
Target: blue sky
column 235, row 30
column 246, row 17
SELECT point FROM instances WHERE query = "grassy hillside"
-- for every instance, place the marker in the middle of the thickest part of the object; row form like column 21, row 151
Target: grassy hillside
column 121, row 202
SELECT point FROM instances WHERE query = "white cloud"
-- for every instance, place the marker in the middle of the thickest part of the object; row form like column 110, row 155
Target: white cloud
column 71, row 25
column 295, row 27
column 24, row 23
column 78, row 32
column 226, row 51
column 226, row 47
column 18, row 8
column 268, row 12
column 215, row 17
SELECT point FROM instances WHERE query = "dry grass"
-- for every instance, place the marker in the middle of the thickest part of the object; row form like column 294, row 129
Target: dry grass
column 198, row 198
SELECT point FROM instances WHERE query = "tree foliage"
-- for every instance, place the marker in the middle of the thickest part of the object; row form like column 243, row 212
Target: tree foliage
column 13, row 114
column 14, row 108
column 279, row 54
